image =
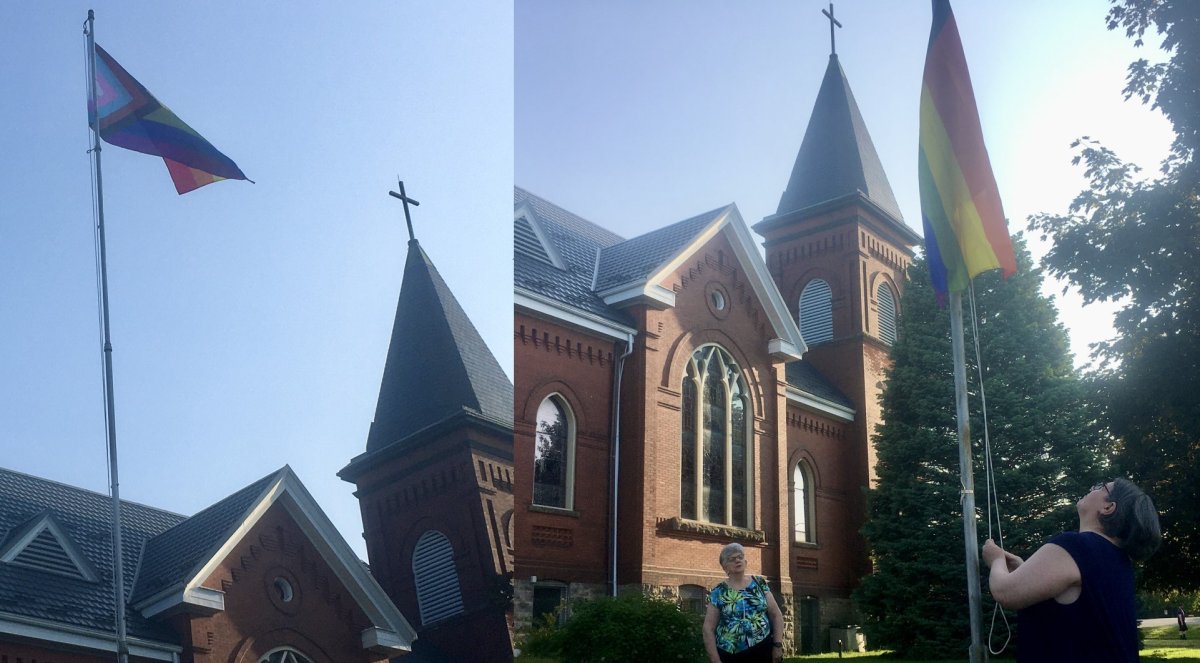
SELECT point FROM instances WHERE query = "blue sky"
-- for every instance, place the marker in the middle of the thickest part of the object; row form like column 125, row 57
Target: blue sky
column 638, row 114
column 250, row 322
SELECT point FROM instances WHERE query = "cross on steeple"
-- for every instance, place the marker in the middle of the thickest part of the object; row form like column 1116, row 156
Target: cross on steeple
column 406, row 200
column 832, row 22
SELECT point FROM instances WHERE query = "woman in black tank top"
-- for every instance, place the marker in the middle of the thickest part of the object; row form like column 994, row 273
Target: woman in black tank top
column 1075, row 594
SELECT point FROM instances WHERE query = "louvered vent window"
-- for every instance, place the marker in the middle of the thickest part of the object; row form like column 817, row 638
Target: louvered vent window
column 526, row 242
column 887, row 314
column 438, row 593
column 45, row 553
column 816, row 312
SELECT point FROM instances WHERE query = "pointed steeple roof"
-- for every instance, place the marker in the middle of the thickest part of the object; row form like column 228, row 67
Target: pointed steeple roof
column 437, row 365
column 837, row 157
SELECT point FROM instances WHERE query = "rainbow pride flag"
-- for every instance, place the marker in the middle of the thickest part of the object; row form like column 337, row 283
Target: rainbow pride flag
column 128, row 116
column 965, row 229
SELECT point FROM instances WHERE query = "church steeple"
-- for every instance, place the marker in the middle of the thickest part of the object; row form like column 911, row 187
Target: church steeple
column 437, row 364
column 837, row 158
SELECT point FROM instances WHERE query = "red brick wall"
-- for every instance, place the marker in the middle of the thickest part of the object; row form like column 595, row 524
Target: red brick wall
column 322, row 620
column 833, row 563
column 650, row 486
column 459, row 484
column 854, row 250
column 551, row 358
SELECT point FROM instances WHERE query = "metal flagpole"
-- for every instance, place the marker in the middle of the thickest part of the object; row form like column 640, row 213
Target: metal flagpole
column 966, row 470
column 110, row 410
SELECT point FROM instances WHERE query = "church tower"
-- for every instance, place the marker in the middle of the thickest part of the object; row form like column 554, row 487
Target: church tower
column 838, row 249
column 435, row 482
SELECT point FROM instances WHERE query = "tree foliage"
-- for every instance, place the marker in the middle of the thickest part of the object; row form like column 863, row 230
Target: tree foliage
column 1045, row 454
column 1136, row 240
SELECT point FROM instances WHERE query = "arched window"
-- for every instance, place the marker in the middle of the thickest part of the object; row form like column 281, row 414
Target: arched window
column 438, row 593
column 816, row 312
column 284, row 655
column 802, row 504
column 554, row 455
column 886, row 303
column 715, row 451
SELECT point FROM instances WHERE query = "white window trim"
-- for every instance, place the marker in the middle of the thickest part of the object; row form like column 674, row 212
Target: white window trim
column 569, row 484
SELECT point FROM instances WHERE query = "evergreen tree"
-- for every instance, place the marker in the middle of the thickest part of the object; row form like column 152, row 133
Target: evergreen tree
column 1138, row 240
column 1044, row 446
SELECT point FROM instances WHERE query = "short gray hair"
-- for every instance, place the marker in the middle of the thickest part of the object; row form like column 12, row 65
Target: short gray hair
column 1134, row 522
column 729, row 550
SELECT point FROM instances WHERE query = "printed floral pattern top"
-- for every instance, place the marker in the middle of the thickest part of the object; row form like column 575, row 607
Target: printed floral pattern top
column 743, row 619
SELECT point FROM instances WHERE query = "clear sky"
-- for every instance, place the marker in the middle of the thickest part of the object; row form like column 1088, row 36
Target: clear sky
column 638, row 114
column 250, row 322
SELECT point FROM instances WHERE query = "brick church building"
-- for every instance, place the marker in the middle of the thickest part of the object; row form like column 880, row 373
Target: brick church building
column 263, row 576
column 677, row 391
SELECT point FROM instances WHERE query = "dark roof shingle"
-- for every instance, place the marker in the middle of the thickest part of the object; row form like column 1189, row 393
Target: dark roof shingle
column 837, row 157
column 634, row 260
column 437, row 363
column 171, row 557
column 86, row 517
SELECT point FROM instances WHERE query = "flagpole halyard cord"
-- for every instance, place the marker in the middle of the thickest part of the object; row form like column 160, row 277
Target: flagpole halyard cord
column 992, row 497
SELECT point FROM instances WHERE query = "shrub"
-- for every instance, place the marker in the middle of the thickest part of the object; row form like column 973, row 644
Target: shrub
column 630, row 627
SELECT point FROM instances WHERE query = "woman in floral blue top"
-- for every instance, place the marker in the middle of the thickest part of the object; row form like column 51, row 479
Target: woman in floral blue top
column 742, row 623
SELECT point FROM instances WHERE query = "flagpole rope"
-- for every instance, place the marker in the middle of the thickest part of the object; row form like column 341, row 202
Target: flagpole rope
column 991, row 497
column 95, row 237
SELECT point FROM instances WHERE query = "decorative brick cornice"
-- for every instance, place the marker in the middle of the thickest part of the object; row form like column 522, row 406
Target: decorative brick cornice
column 813, row 425
column 562, row 346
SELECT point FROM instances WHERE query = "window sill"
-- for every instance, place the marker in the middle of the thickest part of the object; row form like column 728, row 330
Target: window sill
column 697, row 529
column 537, row 508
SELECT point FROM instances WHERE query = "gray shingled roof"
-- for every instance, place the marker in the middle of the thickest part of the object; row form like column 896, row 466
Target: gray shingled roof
column 634, row 260
column 86, row 517
column 805, row 377
column 578, row 242
column 437, row 364
column 837, row 157
column 174, row 556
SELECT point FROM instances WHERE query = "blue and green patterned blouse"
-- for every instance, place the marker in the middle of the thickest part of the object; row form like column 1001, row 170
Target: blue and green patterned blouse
column 743, row 622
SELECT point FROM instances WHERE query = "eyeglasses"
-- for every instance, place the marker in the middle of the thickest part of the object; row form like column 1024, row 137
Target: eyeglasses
column 735, row 558
column 1104, row 485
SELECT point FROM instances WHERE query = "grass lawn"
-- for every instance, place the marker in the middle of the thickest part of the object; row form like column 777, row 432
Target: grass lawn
column 1162, row 644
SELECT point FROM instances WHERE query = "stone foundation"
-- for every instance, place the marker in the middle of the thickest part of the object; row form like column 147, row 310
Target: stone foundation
column 523, row 599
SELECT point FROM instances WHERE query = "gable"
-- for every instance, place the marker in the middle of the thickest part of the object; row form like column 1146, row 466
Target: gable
column 531, row 239
column 222, row 528
column 785, row 342
column 44, row 545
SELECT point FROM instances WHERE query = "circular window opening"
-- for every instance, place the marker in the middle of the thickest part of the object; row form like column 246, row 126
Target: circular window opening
column 718, row 300
column 283, row 590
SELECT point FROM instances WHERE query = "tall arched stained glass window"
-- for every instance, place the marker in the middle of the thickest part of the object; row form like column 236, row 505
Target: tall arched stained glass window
column 715, row 465
column 886, row 303
column 816, row 312
column 554, row 455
